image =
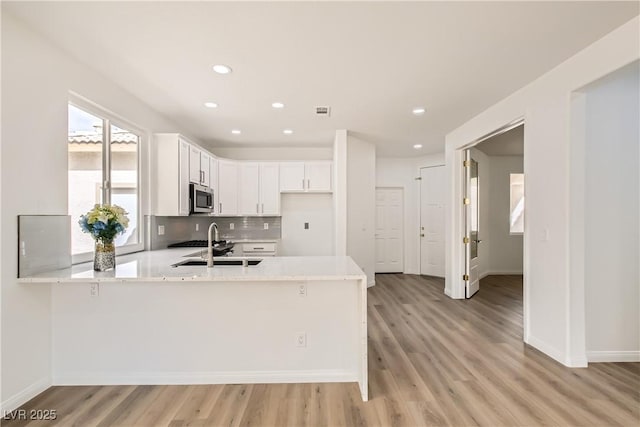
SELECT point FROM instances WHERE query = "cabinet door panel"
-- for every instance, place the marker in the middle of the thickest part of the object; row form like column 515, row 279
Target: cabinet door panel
column 292, row 176
column 227, row 187
column 318, row 176
column 248, row 188
column 269, row 189
column 213, row 183
column 183, row 176
column 194, row 166
column 204, row 167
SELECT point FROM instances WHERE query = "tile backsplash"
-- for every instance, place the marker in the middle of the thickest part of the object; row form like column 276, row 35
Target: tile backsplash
column 181, row 228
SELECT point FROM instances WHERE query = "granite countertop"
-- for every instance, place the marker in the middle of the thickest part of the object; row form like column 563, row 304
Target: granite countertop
column 156, row 266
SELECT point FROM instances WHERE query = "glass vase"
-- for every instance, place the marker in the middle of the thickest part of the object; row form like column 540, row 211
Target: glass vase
column 104, row 256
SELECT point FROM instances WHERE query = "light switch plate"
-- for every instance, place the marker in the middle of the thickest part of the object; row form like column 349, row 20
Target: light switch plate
column 231, row 226
column 266, row 225
column 160, row 230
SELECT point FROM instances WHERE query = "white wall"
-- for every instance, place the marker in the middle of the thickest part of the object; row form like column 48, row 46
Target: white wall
column 505, row 254
column 274, row 153
column 402, row 173
column 298, row 209
column 552, row 304
column 361, row 204
column 36, row 80
column 612, row 188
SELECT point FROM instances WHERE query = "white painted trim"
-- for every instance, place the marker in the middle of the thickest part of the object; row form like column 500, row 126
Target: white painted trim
column 502, row 273
column 613, row 356
column 547, row 349
column 182, row 378
column 371, row 283
column 28, row 393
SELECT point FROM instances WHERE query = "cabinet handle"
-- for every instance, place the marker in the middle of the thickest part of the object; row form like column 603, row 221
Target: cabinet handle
column 220, row 211
column 263, row 208
column 308, row 184
column 303, row 183
column 257, row 207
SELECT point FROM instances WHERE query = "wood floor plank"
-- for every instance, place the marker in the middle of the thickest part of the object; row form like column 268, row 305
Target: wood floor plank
column 433, row 361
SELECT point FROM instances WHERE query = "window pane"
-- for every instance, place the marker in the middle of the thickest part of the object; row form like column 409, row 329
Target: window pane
column 84, row 147
column 124, row 180
column 516, row 216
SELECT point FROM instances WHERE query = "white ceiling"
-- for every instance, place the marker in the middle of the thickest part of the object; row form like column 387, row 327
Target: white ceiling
column 372, row 62
column 510, row 143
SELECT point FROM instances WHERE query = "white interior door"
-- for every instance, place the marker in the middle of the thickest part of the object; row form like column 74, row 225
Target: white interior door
column 389, row 230
column 471, row 208
column 432, row 204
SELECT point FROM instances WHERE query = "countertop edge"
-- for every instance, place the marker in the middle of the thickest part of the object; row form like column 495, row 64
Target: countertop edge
column 181, row 279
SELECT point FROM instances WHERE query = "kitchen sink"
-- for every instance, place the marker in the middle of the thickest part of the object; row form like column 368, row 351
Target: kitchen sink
column 216, row 262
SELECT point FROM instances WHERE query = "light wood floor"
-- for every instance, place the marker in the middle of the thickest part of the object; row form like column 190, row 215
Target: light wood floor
column 432, row 361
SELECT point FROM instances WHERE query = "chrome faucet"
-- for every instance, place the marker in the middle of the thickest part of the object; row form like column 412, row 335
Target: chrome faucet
column 210, row 246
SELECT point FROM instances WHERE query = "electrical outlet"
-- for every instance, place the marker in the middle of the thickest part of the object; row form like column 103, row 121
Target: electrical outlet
column 95, row 289
column 160, row 230
column 302, row 290
column 266, row 225
column 231, row 226
column 197, row 227
column 301, row 339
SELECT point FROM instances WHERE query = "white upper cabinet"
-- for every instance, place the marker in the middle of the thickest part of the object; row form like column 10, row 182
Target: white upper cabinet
column 204, row 168
column 318, row 176
column 269, row 189
column 195, row 174
column 170, row 179
column 292, row 176
column 183, row 193
column 306, row 177
column 258, row 189
column 213, row 183
column 227, row 187
column 249, row 188
column 199, row 166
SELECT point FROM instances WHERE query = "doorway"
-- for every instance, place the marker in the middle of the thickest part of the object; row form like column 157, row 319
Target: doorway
column 389, row 232
column 432, row 221
column 494, row 210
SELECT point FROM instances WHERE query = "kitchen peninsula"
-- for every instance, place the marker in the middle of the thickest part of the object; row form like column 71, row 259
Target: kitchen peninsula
column 285, row 320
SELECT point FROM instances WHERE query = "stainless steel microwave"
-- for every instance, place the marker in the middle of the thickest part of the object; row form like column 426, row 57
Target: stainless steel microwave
column 201, row 199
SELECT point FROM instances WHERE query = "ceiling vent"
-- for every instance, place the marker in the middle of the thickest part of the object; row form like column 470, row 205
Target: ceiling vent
column 323, row 111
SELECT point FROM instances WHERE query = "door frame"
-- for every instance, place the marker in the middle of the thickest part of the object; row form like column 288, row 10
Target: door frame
column 402, row 224
column 456, row 220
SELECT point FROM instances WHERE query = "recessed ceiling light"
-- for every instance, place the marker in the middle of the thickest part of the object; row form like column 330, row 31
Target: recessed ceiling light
column 418, row 111
column 287, row 131
column 277, row 105
column 211, row 105
column 236, row 131
column 222, row 69
column 417, row 146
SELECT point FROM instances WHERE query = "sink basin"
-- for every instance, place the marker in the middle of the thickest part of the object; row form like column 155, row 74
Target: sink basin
column 217, row 262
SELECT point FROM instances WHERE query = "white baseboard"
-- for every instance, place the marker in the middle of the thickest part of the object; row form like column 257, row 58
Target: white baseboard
column 613, row 356
column 22, row 397
column 173, row 378
column 501, row 273
column 547, row 349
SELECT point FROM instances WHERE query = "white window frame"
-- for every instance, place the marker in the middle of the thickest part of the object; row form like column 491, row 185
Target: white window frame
column 111, row 119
